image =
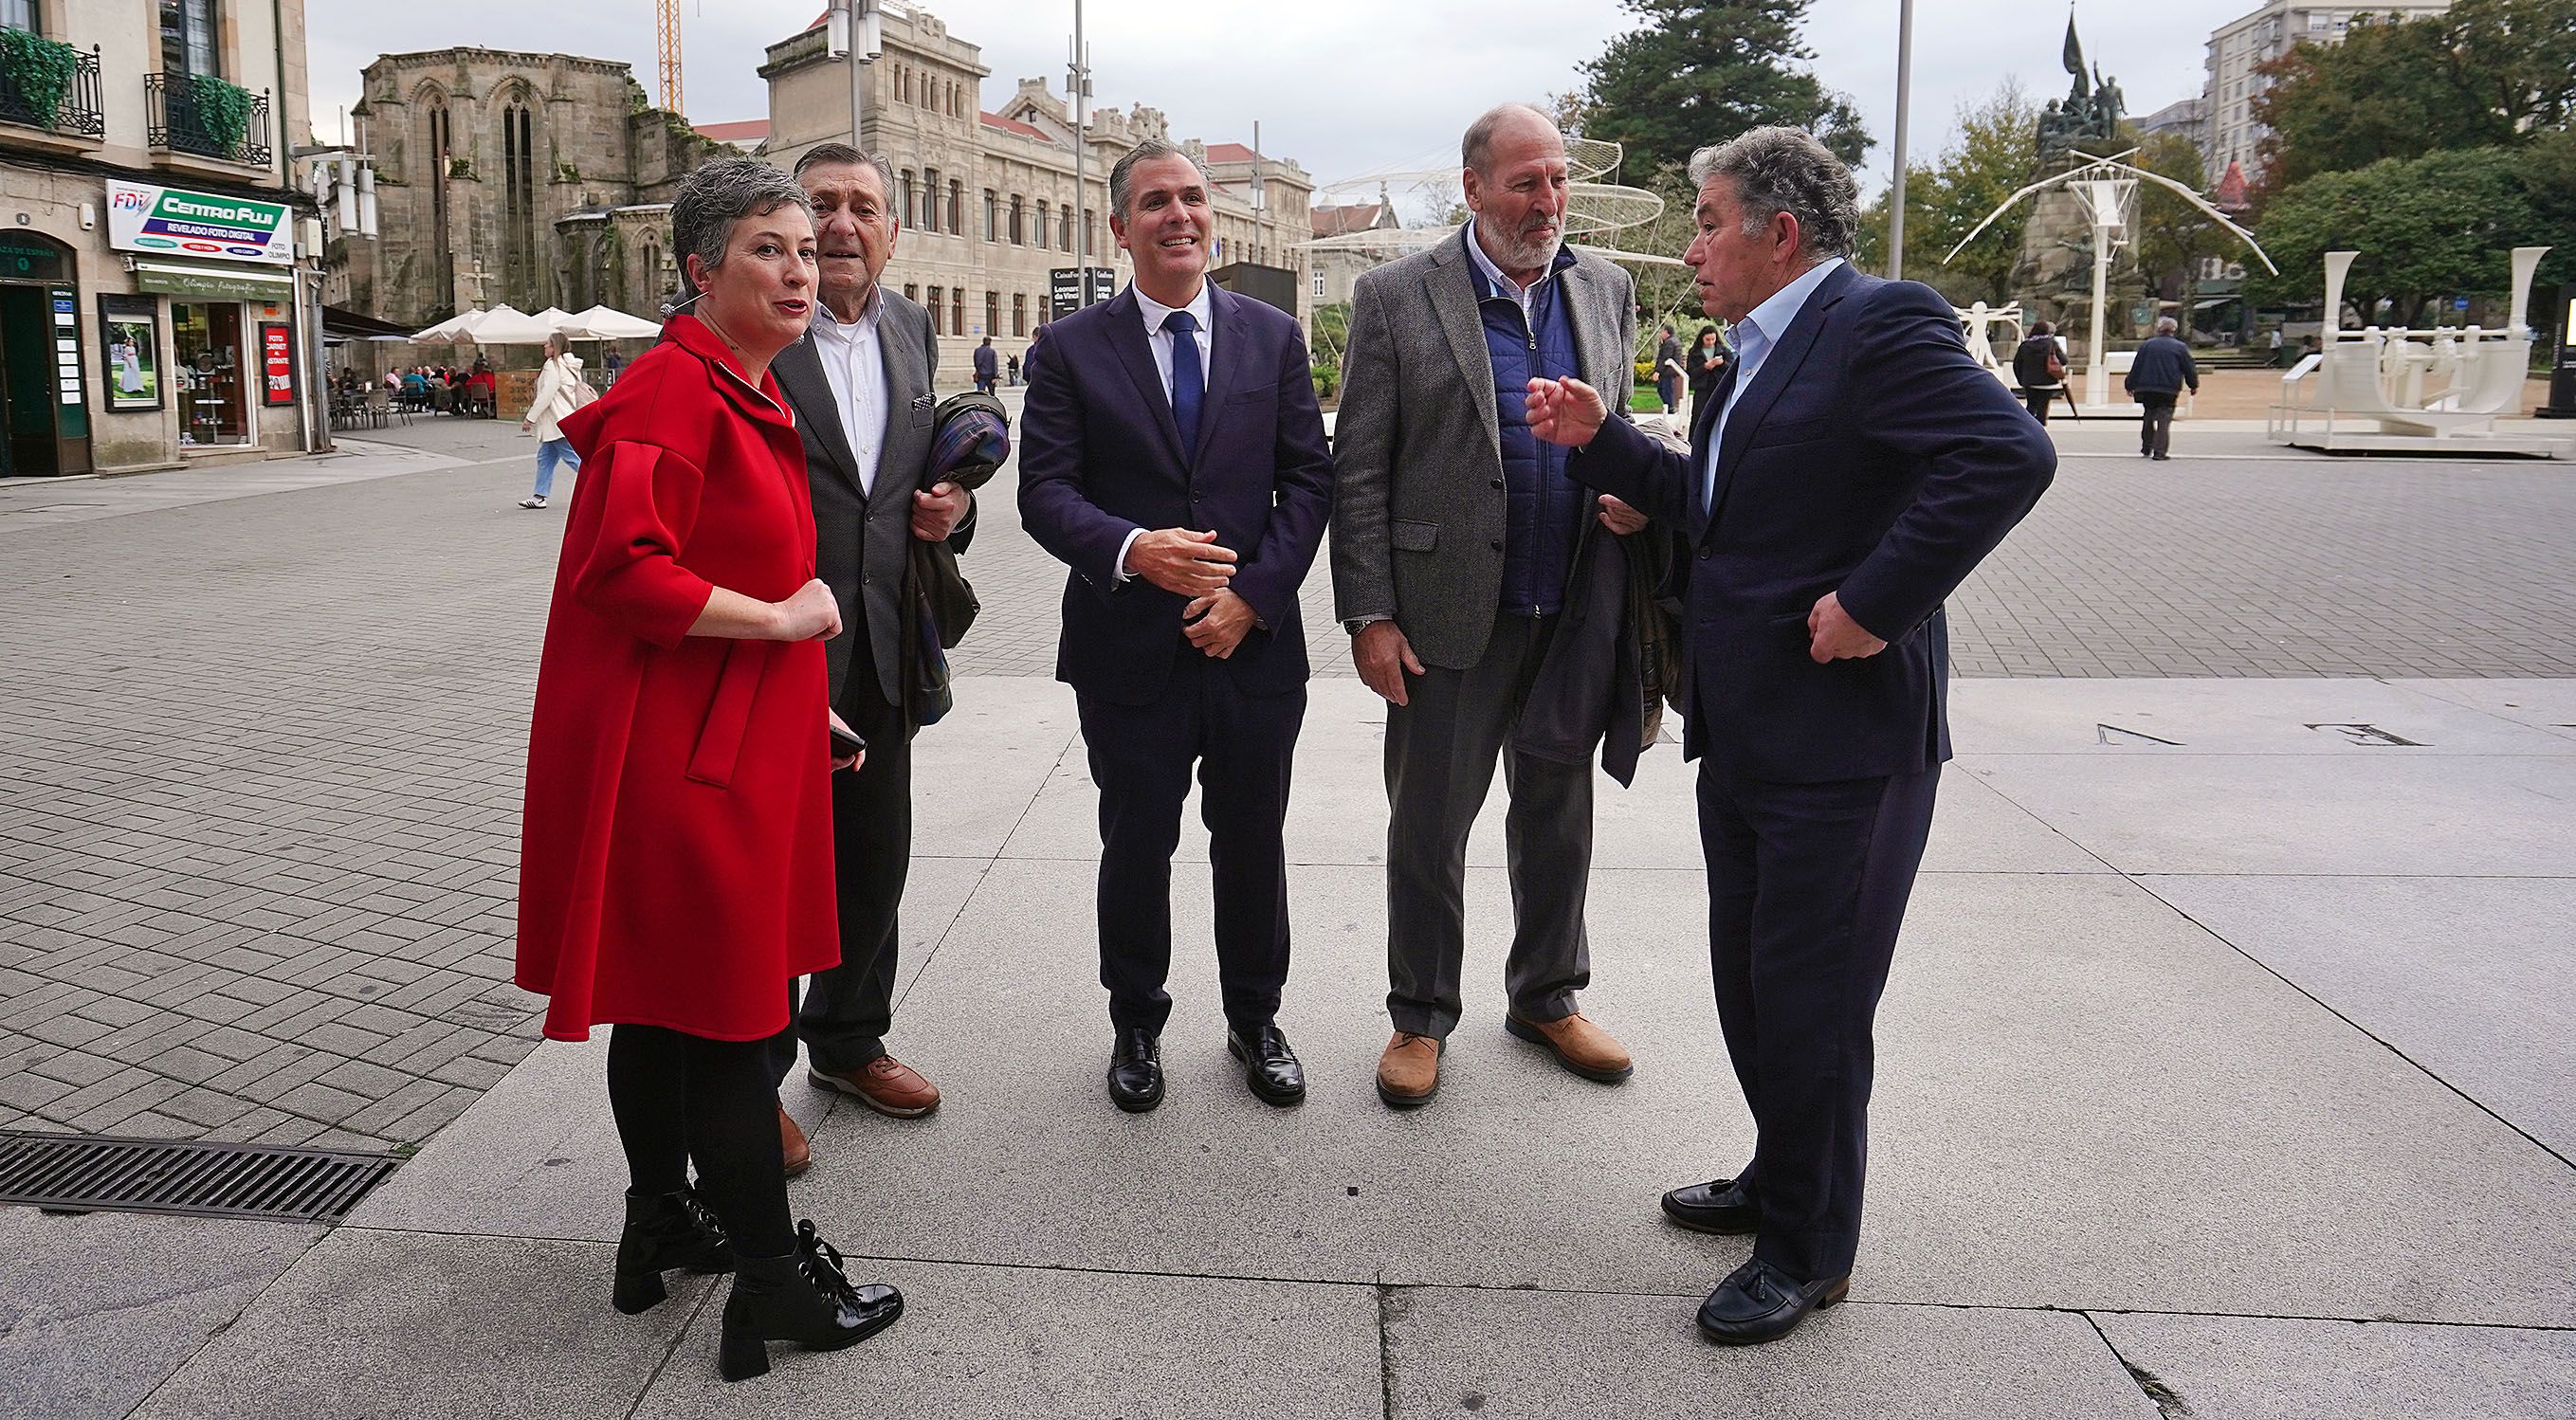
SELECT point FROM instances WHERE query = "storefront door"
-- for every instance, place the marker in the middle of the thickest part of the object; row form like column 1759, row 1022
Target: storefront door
column 208, row 374
column 44, row 414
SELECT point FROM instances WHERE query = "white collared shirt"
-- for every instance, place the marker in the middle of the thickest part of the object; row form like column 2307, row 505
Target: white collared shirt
column 1527, row 295
column 1202, row 309
column 855, row 365
column 1755, row 336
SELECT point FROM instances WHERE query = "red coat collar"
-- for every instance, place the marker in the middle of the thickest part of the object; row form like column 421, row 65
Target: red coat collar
column 762, row 402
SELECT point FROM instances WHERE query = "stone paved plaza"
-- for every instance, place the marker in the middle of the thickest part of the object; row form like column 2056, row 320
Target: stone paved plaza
column 2226, row 1070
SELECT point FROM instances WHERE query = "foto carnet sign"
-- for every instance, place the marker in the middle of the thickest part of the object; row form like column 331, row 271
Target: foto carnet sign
column 170, row 221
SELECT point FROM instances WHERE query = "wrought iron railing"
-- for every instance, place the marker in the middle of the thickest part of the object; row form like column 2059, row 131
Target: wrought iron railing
column 50, row 85
column 196, row 113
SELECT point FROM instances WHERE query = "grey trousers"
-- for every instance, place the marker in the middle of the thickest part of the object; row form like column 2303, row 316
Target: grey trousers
column 1440, row 753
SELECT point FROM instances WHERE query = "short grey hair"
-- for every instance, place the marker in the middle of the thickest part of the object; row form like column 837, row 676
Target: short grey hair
column 1476, row 149
column 720, row 194
column 1122, row 177
column 1779, row 169
column 838, row 154
column 2167, row 325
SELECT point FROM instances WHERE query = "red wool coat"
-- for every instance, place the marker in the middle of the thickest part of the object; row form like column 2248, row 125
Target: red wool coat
column 676, row 854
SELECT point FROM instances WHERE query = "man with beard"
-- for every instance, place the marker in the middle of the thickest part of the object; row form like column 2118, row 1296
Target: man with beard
column 1456, row 538
column 860, row 383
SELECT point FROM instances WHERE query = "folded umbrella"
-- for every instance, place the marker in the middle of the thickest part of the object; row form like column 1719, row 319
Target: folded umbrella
column 970, row 438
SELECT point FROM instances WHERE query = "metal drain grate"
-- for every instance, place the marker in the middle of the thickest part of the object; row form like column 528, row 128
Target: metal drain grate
column 90, row 1171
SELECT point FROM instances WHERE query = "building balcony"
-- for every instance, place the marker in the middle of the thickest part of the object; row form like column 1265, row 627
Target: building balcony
column 199, row 116
column 50, row 87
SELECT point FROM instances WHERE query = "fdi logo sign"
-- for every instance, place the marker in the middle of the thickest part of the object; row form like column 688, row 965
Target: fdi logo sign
column 146, row 218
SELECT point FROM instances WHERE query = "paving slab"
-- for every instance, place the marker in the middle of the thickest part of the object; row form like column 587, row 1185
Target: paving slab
column 406, row 1324
column 2473, row 978
column 2369, row 813
column 978, row 1342
column 2269, row 1368
column 974, row 773
column 96, row 1309
column 2546, row 704
column 2327, row 716
column 1545, row 1355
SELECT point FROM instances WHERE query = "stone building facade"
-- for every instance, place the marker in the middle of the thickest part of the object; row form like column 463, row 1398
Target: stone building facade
column 987, row 196
column 533, row 179
column 1336, row 271
column 2237, row 48
column 150, row 315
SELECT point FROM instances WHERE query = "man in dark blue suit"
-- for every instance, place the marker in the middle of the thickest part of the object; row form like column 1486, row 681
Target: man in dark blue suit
column 1172, row 455
column 1851, row 468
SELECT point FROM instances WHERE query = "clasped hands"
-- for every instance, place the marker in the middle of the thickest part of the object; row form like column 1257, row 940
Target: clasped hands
column 1570, row 412
column 1192, row 564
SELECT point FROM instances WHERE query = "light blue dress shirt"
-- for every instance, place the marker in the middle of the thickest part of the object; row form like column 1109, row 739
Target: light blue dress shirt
column 1755, row 335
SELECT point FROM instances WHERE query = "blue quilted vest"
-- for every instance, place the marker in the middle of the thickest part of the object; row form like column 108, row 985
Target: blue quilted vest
column 1545, row 510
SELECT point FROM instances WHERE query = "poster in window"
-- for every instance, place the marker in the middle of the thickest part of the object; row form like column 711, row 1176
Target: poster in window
column 276, row 365
column 130, row 344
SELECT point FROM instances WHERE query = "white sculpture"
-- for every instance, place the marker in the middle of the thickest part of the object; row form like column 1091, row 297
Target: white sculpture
column 2367, row 389
column 1977, row 324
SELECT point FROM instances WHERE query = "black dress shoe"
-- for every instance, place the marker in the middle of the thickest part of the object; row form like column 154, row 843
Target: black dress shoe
column 1758, row 1302
column 1723, row 1205
column 803, row 1297
column 1269, row 1066
column 664, row 1231
column 1136, row 1070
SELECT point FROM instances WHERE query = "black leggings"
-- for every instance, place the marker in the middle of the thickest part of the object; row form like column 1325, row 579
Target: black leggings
column 679, row 1097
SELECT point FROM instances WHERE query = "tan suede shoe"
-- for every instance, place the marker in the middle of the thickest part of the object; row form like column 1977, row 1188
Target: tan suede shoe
column 1578, row 1045
column 791, row 1142
column 884, row 1084
column 1408, row 1072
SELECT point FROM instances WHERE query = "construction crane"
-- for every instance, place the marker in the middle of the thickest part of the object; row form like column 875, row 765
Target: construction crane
column 667, row 24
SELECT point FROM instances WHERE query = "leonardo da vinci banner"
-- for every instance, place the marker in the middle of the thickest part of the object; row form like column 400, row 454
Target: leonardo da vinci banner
column 170, row 221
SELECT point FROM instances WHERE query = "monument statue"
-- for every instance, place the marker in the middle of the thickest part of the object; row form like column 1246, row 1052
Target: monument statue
column 2089, row 116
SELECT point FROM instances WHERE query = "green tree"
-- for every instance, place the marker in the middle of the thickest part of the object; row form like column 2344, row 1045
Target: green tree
column 2485, row 73
column 1702, row 71
column 2427, row 228
column 1988, row 158
column 2174, row 235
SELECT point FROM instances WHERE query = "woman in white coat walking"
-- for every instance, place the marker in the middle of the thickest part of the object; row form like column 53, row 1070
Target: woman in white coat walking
column 560, row 391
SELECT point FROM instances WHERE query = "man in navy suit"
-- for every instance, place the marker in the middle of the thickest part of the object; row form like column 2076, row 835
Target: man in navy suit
column 1172, row 455
column 1851, row 468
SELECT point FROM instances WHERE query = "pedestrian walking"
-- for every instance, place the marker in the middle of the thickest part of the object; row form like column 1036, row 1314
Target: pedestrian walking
column 1015, row 371
column 2158, row 374
column 2039, row 367
column 1669, row 373
column 987, row 366
column 1468, row 567
column 1706, row 363
column 560, row 391
column 676, row 858
column 1858, row 451
column 1172, row 457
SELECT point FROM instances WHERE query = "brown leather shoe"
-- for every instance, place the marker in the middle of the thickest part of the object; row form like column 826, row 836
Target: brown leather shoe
column 884, row 1084
column 1578, row 1045
column 1408, row 1071
column 791, row 1142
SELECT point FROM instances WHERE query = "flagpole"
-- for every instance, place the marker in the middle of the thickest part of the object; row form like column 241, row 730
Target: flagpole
column 1904, row 92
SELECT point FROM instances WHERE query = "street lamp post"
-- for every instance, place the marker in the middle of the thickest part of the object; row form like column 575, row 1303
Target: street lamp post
column 1077, row 83
column 856, row 32
column 1904, row 93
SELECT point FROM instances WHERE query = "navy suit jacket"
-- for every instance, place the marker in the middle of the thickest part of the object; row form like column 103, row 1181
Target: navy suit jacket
column 1871, row 457
column 1100, row 457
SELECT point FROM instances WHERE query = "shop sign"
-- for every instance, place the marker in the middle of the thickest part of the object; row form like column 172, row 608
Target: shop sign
column 172, row 221
column 220, row 285
column 276, row 365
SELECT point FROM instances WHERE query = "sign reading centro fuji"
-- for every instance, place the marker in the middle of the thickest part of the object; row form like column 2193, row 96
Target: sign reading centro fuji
column 169, row 221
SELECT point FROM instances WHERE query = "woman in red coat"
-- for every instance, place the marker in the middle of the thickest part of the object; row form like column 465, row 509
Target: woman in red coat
column 676, row 865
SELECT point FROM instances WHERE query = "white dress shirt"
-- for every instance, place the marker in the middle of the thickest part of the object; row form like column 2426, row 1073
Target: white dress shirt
column 1755, row 337
column 1161, row 341
column 1527, row 295
column 855, row 364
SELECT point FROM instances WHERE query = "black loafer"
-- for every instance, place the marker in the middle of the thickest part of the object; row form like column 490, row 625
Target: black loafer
column 1758, row 1302
column 1269, row 1066
column 1722, row 1205
column 1136, row 1071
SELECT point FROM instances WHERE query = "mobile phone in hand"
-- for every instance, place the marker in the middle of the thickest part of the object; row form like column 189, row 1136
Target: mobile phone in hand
column 845, row 744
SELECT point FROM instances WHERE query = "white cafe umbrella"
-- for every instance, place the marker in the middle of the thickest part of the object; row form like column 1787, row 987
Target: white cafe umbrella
column 458, row 326
column 502, row 325
column 605, row 323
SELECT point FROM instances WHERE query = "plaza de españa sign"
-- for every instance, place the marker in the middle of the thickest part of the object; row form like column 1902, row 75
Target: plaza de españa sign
column 169, row 221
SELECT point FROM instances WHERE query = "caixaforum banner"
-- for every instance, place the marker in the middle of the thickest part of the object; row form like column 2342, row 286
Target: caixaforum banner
column 170, row 221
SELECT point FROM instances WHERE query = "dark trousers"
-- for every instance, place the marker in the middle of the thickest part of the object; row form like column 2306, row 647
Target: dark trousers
column 844, row 1012
column 2155, row 421
column 2036, row 401
column 1440, row 753
column 1141, row 757
column 680, row 1097
column 1807, row 885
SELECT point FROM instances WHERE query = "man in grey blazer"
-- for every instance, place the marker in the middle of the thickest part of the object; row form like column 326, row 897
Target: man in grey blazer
column 1456, row 538
column 860, row 384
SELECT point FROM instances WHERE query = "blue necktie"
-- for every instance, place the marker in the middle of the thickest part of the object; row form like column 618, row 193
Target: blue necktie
column 1189, row 382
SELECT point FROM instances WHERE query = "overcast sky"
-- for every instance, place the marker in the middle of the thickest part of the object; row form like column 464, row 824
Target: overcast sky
column 1341, row 86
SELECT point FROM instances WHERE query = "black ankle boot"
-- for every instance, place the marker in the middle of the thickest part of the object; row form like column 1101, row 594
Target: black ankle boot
column 802, row 1297
column 664, row 1231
